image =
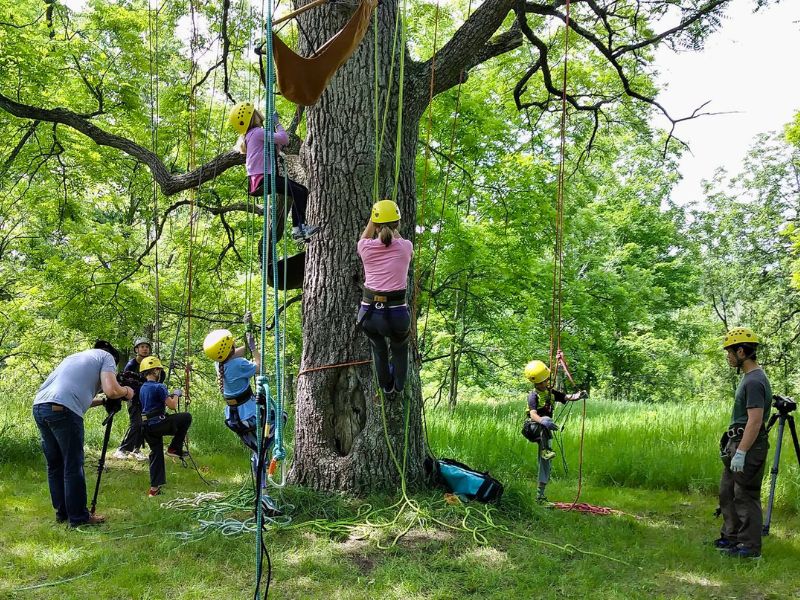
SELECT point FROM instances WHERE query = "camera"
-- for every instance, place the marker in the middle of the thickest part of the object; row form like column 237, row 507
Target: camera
column 784, row 404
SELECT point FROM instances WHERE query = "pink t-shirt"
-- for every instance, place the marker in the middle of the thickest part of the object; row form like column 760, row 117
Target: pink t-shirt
column 254, row 140
column 385, row 267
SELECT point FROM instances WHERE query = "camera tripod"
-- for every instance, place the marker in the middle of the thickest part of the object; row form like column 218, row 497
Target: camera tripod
column 784, row 406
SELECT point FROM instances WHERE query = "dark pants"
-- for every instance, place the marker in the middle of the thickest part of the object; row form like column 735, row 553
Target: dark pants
column 740, row 494
column 297, row 192
column 393, row 324
column 176, row 425
column 62, row 443
column 134, row 437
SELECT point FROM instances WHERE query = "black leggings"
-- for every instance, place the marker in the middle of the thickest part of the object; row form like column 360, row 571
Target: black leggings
column 298, row 193
column 395, row 324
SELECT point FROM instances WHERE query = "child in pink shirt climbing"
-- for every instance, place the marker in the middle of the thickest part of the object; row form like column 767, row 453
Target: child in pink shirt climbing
column 384, row 313
column 249, row 123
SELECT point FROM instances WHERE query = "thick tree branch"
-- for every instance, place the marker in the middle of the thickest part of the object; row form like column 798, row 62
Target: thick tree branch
column 170, row 184
column 468, row 47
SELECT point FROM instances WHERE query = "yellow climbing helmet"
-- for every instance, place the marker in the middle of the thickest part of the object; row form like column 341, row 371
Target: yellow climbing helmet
column 740, row 335
column 218, row 344
column 240, row 116
column 536, row 371
column 385, row 211
column 150, row 362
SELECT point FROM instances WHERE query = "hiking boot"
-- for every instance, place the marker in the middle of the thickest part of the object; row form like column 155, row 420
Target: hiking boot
column 308, row 231
column 153, row 492
column 723, row 544
column 93, row 520
column 120, row 454
column 740, row 551
column 139, row 455
column 547, row 454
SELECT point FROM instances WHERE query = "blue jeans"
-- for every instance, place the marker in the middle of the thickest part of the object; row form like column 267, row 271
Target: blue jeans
column 62, row 443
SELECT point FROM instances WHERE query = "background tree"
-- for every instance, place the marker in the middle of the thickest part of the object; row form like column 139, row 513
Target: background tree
column 97, row 70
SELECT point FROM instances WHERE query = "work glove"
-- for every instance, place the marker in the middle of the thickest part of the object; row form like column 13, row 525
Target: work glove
column 547, row 423
column 251, row 341
column 177, row 392
column 112, row 405
column 737, row 462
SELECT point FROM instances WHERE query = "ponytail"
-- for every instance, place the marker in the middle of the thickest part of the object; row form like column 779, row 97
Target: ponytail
column 221, row 378
column 387, row 231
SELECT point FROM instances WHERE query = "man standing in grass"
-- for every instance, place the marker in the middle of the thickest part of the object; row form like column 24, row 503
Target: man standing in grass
column 131, row 445
column 743, row 449
column 58, row 410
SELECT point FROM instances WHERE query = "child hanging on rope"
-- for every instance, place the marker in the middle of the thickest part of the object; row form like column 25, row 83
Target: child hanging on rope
column 384, row 311
column 539, row 425
column 156, row 423
column 233, row 376
column 249, row 123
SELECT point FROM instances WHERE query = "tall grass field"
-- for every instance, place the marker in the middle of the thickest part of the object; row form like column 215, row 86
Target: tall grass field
column 658, row 464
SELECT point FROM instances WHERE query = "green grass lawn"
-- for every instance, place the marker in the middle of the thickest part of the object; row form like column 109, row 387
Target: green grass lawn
column 667, row 495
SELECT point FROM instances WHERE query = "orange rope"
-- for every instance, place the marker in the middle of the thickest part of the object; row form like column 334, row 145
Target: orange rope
column 587, row 508
column 417, row 264
column 324, row 367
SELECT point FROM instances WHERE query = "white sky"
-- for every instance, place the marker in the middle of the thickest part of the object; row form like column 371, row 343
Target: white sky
column 751, row 66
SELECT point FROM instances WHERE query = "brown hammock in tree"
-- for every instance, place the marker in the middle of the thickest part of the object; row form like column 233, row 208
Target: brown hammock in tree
column 302, row 80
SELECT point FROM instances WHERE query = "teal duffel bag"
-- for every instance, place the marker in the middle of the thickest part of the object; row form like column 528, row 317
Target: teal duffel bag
column 464, row 481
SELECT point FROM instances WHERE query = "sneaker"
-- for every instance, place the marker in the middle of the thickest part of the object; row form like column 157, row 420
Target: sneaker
column 541, row 498
column 179, row 454
column 153, row 492
column 308, row 231
column 740, row 551
column 269, row 507
column 139, row 455
column 723, row 543
column 120, row 454
column 547, row 454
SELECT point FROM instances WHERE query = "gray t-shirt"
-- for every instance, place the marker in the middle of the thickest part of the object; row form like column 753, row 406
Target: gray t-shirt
column 75, row 381
column 754, row 391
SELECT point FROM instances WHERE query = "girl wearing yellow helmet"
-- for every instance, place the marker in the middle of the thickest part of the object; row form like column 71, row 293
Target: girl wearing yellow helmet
column 539, row 424
column 384, row 314
column 233, row 377
column 249, row 123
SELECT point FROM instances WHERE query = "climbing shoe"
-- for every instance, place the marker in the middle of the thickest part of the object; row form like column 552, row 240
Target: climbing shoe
column 308, row 231
column 297, row 233
column 547, row 454
column 723, row 544
column 740, row 551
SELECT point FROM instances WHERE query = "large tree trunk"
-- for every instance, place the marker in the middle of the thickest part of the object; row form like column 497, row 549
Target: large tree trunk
column 340, row 442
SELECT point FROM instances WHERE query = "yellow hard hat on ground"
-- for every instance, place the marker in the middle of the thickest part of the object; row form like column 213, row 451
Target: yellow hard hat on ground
column 740, row 335
column 536, row 371
column 218, row 344
column 385, row 211
column 240, row 116
column 150, row 362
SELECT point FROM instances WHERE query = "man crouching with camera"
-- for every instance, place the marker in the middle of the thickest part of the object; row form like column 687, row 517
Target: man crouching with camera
column 743, row 449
